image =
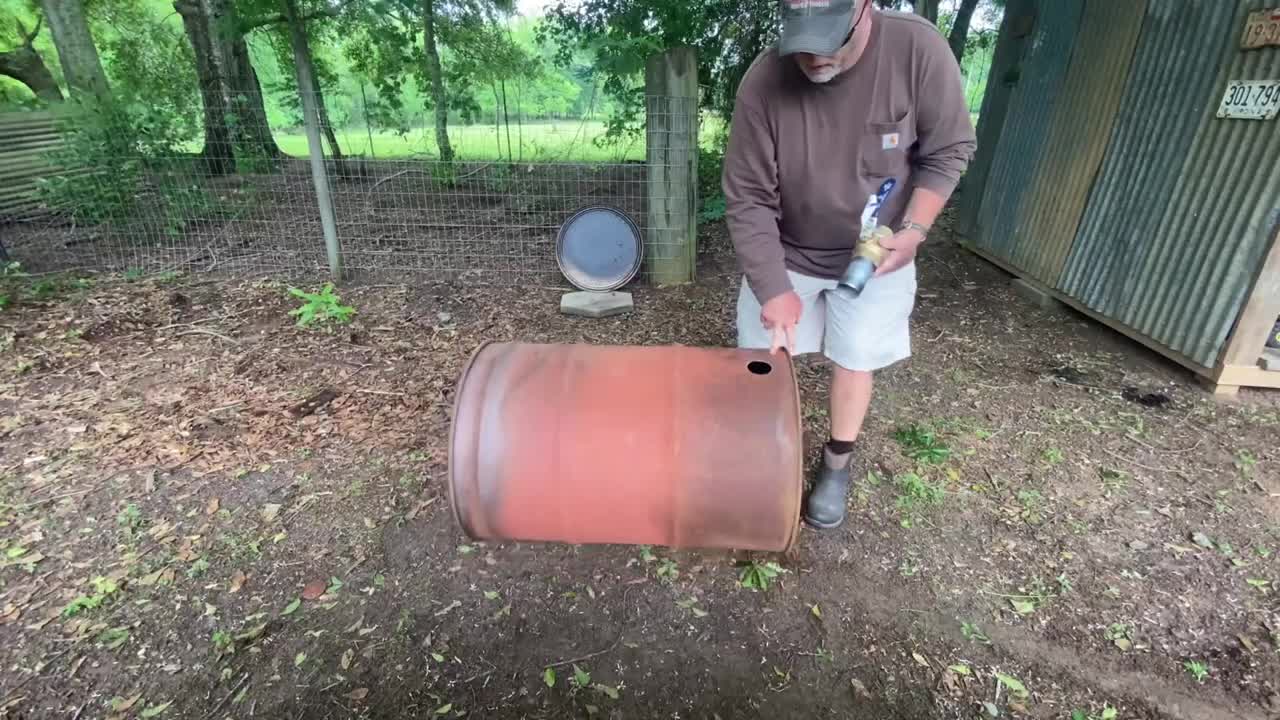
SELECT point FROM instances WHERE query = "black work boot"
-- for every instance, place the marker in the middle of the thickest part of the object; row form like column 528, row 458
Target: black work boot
column 826, row 504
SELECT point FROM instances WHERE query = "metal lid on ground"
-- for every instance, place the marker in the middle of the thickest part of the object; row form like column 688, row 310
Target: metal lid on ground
column 599, row 248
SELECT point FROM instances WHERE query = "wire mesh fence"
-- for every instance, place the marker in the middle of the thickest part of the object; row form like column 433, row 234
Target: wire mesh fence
column 239, row 198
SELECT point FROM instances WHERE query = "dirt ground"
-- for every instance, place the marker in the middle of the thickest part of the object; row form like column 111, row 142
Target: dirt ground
column 1034, row 531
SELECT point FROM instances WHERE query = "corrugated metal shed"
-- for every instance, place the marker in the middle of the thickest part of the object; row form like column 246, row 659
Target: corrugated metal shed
column 1077, row 137
column 1021, row 147
column 1182, row 212
column 1122, row 191
column 25, row 141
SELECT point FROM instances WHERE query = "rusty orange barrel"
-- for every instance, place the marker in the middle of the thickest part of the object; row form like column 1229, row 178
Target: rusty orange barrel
column 674, row 446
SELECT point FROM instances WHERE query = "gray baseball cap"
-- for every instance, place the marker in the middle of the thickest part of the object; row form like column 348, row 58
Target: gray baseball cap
column 815, row 26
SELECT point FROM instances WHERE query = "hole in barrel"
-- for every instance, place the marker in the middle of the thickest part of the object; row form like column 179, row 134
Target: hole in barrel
column 759, row 367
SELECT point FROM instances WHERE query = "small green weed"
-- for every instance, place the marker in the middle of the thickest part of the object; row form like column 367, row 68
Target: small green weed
column 129, row 519
column 1114, row 482
column 668, row 570
column 1108, row 713
column 758, row 576
column 973, row 633
column 1032, row 503
column 1120, row 635
column 1245, row 462
column 909, row 567
column 321, row 307
column 921, row 443
column 1197, row 670
column 103, row 588
column 198, row 568
column 916, row 495
column 1052, row 455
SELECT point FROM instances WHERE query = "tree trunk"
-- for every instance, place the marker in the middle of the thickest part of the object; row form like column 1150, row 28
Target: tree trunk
column 240, row 87
column 26, row 66
column 217, row 154
column 506, row 119
column 960, row 28
column 81, row 66
column 497, row 118
column 434, row 71
column 927, row 9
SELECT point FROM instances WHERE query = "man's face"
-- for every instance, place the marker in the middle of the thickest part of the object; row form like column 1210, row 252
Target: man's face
column 822, row 68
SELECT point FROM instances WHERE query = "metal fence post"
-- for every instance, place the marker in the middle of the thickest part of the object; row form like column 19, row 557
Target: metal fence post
column 311, row 120
column 671, row 135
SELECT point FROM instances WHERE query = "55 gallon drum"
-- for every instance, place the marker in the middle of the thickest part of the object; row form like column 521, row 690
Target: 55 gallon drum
column 673, row 446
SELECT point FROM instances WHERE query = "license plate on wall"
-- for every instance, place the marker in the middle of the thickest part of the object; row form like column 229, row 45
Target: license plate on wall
column 1262, row 29
column 1250, row 99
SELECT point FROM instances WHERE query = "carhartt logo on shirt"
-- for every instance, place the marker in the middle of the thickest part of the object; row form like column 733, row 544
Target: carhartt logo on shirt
column 889, row 141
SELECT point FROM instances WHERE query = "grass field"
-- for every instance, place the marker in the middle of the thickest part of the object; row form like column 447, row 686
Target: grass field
column 545, row 142
column 565, row 141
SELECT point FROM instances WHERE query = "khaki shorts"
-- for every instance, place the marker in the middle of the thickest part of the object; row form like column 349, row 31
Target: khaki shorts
column 869, row 332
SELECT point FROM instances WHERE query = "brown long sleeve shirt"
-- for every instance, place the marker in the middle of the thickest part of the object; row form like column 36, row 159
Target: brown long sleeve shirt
column 803, row 158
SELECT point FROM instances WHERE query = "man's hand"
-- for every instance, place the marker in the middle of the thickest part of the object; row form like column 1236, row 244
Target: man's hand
column 902, row 250
column 780, row 315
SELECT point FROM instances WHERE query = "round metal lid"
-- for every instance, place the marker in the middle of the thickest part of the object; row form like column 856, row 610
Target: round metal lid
column 599, row 248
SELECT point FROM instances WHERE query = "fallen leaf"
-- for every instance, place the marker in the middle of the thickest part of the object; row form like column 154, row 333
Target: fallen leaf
column 120, row 705
column 1023, row 607
column 992, row 710
column 960, row 669
column 817, row 611
column 1124, row 644
column 292, row 607
column 270, row 511
column 314, row 589
column 699, row 612
column 444, row 709
column 549, row 677
column 1015, row 686
column 1202, row 540
column 437, row 657
column 920, row 659
column 490, row 595
column 347, row 657
column 299, row 659
column 451, row 607
column 155, row 710
column 1246, row 642
column 238, row 579
column 212, row 507
column 1138, row 545
column 859, row 689
column 358, row 694
column 610, row 691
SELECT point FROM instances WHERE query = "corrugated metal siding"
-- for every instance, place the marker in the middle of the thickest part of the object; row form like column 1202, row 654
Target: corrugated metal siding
column 1022, row 142
column 1077, row 139
column 1011, row 42
column 1181, row 214
column 25, row 141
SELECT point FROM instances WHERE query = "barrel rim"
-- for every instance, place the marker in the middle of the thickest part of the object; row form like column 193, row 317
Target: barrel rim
column 453, row 436
column 798, row 417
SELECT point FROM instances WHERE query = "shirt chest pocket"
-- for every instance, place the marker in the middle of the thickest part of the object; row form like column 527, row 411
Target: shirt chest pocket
column 885, row 148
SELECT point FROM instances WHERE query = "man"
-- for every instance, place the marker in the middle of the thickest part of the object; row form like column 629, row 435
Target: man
column 852, row 97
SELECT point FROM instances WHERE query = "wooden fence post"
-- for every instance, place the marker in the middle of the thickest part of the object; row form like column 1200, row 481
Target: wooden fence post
column 671, row 135
column 311, row 121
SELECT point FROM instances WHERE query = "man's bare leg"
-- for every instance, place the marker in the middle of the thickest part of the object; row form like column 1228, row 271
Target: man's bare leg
column 850, row 398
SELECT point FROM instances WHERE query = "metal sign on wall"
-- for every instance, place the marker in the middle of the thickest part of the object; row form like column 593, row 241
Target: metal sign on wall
column 1262, row 29
column 1250, row 100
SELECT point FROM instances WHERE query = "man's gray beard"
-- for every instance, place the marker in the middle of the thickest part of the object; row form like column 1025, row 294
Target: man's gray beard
column 821, row 77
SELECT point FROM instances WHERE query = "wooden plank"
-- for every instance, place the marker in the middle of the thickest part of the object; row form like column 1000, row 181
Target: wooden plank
column 1248, row 376
column 671, row 126
column 1259, row 313
column 1112, row 323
